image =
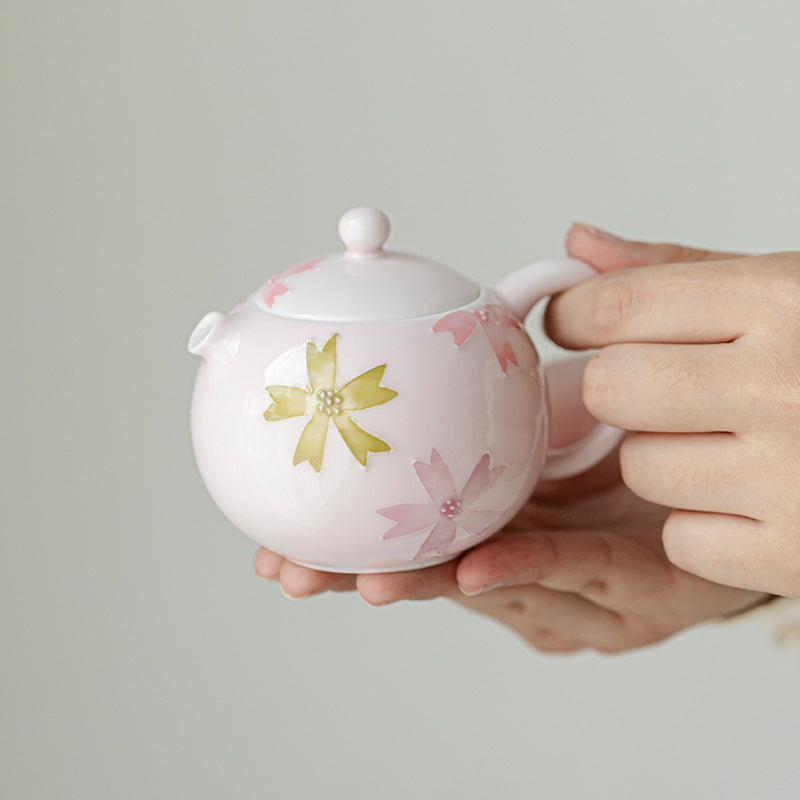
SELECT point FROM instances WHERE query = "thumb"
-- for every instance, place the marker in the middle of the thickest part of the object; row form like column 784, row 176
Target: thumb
column 606, row 252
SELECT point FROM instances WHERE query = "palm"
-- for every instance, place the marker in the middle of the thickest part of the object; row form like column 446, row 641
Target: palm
column 581, row 565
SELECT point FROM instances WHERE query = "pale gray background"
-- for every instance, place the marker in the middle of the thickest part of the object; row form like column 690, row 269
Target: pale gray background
column 160, row 159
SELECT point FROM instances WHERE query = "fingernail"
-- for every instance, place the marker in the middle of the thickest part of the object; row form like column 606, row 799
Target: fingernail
column 295, row 596
column 480, row 589
column 599, row 233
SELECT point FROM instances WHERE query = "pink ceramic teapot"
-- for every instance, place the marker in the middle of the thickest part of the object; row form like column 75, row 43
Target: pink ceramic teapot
column 375, row 411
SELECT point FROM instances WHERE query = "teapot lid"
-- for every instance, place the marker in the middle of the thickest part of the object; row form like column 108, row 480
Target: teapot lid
column 365, row 282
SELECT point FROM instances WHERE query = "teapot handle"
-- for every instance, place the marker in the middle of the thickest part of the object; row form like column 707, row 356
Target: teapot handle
column 521, row 291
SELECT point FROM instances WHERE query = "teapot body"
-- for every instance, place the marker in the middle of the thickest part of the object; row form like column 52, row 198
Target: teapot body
column 371, row 446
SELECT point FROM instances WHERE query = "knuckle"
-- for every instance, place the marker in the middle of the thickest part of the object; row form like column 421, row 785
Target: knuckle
column 529, row 615
column 610, row 585
column 549, row 641
column 613, row 305
column 611, row 594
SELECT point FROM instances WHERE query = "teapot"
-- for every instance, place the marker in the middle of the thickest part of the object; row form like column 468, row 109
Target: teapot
column 375, row 411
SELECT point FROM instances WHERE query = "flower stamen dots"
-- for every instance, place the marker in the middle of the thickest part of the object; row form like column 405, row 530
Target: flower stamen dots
column 332, row 404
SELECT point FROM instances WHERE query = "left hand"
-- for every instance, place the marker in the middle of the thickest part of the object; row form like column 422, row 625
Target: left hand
column 700, row 355
column 580, row 566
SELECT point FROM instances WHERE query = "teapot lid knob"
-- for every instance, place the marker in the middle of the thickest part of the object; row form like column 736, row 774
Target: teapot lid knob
column 364, row 231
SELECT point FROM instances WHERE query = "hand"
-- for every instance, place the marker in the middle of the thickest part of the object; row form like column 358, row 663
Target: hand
column 701, row 357
column 581, row 566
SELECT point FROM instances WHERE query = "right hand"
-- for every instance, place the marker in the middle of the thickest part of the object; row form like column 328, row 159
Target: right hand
column 581, row 565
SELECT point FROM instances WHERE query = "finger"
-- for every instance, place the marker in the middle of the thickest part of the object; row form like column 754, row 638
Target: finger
column 508, row 613
column 300, row 582
column 671, row 388
column 605, row 251
column 697, row 472
column 569, row 419
column 689, row 303
column 617, row 573
column 346, row 583
column 267, row 564
column 534, row 612
column 734, row 551
column 547, row 641
column 380, row 589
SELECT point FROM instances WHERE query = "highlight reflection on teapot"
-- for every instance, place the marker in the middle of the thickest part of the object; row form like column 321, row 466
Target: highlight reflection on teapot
column 375, row 411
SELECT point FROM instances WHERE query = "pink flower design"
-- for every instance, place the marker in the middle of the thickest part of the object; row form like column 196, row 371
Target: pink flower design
column 493, row 319
column 274, row 286
column 450, row 509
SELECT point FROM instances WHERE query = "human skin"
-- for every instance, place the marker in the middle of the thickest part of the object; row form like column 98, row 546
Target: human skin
column 583, row 564
column 700, row 356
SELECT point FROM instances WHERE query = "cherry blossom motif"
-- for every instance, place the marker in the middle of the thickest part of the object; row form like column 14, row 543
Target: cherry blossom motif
column 274, row 286
column 449, row 510
column 493, row 319
column 326, row 401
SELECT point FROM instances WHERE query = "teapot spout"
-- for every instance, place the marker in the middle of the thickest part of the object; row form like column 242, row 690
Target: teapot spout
column 211, row 341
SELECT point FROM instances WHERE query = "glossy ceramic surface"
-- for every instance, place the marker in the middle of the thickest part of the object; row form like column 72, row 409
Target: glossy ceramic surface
column 365, row 282
column 367, row 445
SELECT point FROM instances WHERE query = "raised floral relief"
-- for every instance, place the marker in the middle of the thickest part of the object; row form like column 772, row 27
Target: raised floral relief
column 449, row 509
column 325, row 402
column 494, row 320
column 275, row 286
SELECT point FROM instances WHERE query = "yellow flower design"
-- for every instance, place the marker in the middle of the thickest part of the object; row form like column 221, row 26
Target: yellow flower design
column 324, row 402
